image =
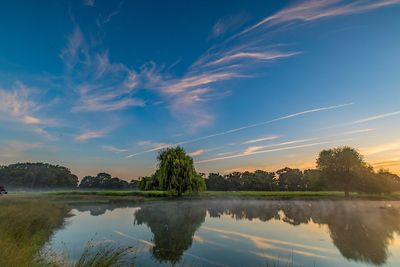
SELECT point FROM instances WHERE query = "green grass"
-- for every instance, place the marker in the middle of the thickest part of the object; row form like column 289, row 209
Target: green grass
column 94, row 255
column 25, row 225
column 143, row 195
column 118, row 193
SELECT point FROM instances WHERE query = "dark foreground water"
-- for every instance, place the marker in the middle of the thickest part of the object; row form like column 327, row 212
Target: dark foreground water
column 241, row 232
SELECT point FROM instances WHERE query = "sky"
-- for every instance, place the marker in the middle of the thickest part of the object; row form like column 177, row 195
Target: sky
column 98, row 85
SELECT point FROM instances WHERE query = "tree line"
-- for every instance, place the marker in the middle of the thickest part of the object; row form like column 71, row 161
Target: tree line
column 341, row 168
column 47, row 176
column 362, row 232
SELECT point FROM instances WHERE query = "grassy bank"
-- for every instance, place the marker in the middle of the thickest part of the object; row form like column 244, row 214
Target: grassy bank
column 25, row 225
column 27, row 222
column 143, row 195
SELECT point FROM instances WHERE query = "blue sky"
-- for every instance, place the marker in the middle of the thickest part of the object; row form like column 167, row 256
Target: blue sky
column 241, row 85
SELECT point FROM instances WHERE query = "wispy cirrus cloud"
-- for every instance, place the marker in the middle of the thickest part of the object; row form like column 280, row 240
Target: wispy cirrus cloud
column 240, row 53
column 261, row 56
column 100, row 84
column 45, row 134
column 318, row 9
column 221, row 63
column 31, row 120
column 152, row 146
column 85, row 136
column 287, row 145
column 262, row 139
column 392, row 164
column 198, row 152
column 376, row 117
column 251, row 151
column 17, row 103
column 234, row 130
column 381, row 148
column 227, row 25
column 113, row 149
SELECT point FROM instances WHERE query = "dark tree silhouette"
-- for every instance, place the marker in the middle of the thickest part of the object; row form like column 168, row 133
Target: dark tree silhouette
column 37, row 175
column 103, row 181
column 344, row 168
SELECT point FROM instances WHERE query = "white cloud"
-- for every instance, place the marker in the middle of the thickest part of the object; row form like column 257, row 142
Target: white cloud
column 45, row 134
column 113, row 149
column 256, row 150
column 377, row 117
column 100, row 84
column 267, row 138
column 248, row 127
column 318, row 9
column 360, row 131
column 263, row 56
column 198, row 152
column 31, row 120
column 15, row 102
column 89, row 135
column 153, row 147
column 381, row 148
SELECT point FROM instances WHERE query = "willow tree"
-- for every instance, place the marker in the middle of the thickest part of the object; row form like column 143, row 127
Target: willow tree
column 177, row 173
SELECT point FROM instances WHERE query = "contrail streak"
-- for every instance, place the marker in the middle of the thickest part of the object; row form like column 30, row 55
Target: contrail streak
column 243, row 128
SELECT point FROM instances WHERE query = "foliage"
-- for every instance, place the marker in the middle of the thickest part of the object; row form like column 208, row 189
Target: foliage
column 341, row 168
column 290, row 179
column 103, row 181
column 345, row 169
column 37, row 175
column 25, row 225
column 175, row 173
column 104, row 255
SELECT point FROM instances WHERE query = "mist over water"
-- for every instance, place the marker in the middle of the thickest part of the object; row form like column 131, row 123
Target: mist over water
column 238, row 232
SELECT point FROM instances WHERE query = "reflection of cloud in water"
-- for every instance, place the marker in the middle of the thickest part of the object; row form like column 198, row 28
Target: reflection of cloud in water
column 361, row 231
column 205, row 260
column 148, row 245
column 272, row 257
column 198, row 239
column 264, row 243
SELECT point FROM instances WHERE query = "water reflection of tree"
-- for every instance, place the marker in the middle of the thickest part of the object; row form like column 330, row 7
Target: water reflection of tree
column 173, row 225
column 363, row 234
column 96, row 209
column 361, row 231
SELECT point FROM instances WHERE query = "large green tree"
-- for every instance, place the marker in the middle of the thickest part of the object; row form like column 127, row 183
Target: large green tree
column 344, row 168
column 177, row 173
column 37, row 175
column 103, row 181
column 290, row 179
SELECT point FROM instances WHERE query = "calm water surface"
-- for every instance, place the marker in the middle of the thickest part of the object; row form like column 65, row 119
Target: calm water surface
column 241, row 232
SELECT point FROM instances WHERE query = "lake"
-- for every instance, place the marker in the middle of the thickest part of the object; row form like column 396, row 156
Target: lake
column 240, row 232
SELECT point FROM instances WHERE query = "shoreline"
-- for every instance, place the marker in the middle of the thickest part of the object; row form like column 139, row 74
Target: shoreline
column 117, row 195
